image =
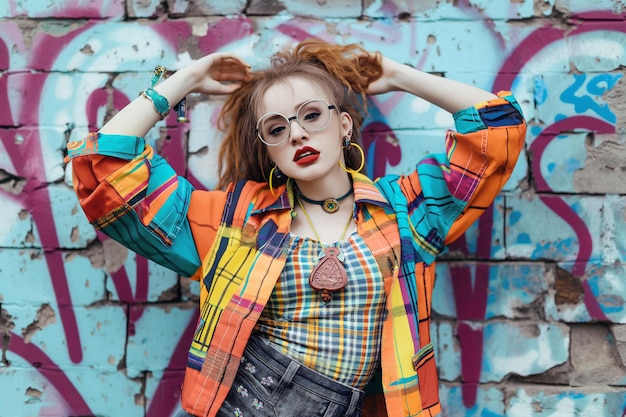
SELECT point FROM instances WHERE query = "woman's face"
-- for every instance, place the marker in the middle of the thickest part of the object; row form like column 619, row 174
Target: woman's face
column 307, row 153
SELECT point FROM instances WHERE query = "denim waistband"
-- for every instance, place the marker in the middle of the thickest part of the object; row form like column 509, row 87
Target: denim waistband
column 297, row 373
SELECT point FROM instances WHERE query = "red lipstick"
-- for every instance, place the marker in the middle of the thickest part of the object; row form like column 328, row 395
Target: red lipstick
column 306, row 155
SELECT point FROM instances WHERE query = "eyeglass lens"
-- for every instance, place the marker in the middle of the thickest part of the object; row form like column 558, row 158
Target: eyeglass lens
column 312, row 116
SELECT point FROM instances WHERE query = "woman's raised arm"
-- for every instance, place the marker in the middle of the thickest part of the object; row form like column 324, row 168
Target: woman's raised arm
column 448, row 94
column 213, row 74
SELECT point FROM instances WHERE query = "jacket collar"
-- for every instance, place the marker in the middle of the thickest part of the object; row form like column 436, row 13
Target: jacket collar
column 366, row 191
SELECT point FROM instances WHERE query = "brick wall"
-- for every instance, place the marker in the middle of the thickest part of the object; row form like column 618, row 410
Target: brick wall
column 530, row 317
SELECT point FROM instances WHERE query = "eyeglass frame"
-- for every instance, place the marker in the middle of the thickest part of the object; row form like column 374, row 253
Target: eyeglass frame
column 292, row 118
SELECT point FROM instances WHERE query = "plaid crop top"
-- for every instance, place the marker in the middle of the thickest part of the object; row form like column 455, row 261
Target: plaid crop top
column 340, row 339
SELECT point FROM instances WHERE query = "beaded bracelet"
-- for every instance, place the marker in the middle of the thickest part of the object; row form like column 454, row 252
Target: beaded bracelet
column 160, row 103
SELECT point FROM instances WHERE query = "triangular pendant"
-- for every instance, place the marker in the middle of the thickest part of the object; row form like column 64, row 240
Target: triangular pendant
column 329, row 274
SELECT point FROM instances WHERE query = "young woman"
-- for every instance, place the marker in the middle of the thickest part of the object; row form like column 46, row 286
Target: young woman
column 315, row 281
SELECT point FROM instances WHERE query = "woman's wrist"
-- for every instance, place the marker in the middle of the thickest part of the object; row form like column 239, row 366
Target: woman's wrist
column 176, row 86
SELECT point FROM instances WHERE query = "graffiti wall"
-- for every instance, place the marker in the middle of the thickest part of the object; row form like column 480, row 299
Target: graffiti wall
column 529, row 303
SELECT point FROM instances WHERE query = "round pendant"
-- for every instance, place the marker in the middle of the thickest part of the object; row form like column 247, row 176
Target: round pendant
column 330, row 205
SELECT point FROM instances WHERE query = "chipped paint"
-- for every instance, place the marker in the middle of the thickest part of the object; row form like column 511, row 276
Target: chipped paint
column 530, row 301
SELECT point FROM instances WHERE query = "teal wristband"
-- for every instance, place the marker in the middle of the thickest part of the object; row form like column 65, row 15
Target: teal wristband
column 160, row 103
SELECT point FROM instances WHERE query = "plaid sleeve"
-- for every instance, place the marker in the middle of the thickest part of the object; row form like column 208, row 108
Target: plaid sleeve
column 447, row 192
column 135, row 197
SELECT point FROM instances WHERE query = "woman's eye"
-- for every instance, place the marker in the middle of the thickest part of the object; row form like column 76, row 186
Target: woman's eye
column 277, row 130
column 311, row 115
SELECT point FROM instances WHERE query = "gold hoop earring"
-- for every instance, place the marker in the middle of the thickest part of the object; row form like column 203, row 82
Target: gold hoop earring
column 350, row 170
column 270, row 180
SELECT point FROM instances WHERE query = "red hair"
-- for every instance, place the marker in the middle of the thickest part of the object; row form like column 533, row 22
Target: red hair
column 342, row 71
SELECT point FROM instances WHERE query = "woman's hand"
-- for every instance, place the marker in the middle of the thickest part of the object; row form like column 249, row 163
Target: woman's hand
column 219, row 73
column 389, row 79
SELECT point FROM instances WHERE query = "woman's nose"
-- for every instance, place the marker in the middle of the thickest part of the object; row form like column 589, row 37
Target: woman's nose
column 296, row 132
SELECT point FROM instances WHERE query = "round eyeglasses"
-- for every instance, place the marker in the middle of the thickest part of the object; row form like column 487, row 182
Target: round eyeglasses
column 313, row 116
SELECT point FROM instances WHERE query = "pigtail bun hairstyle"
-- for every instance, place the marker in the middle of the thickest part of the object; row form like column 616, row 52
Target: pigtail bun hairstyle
column 343, row 71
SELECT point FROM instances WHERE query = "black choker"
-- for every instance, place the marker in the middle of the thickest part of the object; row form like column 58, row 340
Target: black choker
column 330, row 205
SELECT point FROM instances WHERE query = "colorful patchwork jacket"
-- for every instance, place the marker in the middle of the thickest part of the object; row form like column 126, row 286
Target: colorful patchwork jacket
column 235, row 243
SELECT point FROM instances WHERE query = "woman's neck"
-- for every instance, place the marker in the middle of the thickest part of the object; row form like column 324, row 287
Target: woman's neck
column 314, row 218
column 330, row 186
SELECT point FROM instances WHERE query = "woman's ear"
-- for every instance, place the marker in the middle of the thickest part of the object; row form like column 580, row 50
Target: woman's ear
column 346, row 124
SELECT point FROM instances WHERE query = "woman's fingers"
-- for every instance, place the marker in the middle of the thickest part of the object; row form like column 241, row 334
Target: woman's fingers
column 232, row 69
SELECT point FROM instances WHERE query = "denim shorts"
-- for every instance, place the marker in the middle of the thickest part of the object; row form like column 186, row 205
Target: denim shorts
column 270, row 384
